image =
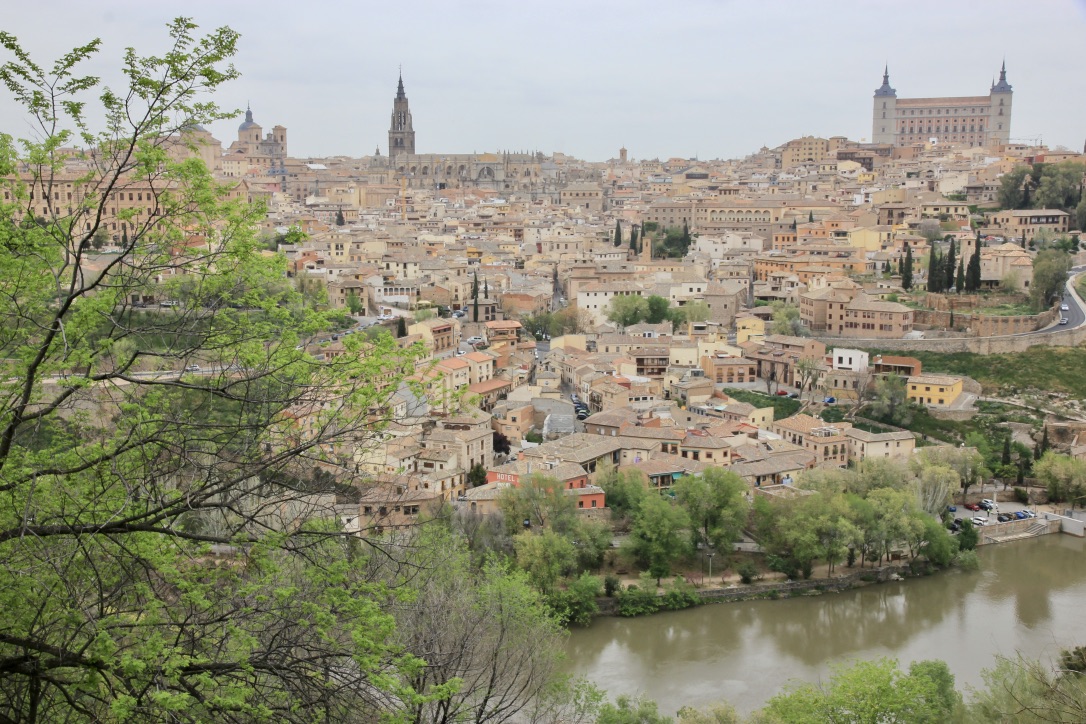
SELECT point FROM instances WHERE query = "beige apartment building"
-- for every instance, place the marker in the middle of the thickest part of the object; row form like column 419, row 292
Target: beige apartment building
column 1027, row 223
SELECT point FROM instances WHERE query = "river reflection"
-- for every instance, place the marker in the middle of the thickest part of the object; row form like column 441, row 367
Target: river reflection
column 1024, row 598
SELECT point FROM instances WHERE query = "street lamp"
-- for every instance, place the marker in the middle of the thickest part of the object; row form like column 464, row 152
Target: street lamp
column 710, row 554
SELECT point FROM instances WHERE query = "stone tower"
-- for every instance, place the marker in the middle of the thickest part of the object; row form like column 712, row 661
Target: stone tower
column 999, row 125
column 884, row 114
column 401, row 134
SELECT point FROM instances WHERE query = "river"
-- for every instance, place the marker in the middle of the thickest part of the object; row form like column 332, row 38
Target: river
column 1027, row 597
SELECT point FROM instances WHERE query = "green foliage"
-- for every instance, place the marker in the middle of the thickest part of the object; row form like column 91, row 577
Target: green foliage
column 626, row 710
column 540, row 501
column 786, row 321
column 679, row 595
column 145, row 575
column 659, row 309
column 1021, row 495
column 656, row 539
column 545, row 556
column 401, row 327
column 717, row 505
column 968, row 537
column 576, row 603
column 1028, row 692
column 871, row 692
column 782, row 406
column 718, row 713
column 637, row 600
column 1050, row 271
column 627, row 310
column 748, row 572
column 611, row 584
column 890, row 403
column 907, row 269
column 624, row 491
column 1063, row 476
column 476, row 476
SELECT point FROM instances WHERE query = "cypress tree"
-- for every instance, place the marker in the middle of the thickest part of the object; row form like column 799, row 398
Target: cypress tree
column 401, row 328
column 810, row 217
column 475, row 310
column 1005, row 459
column 340, row 221
column 950, row 267
column 633, row 240
column 486, row 289
column 1044, row 441
column 933, row 270
column 907, row 269
column 475, row 286
column 959, row 279
column 972, row 275
column 618, row 233
column 1020, row 478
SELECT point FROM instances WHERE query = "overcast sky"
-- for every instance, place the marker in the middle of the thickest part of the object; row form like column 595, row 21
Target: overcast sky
column 710, row 78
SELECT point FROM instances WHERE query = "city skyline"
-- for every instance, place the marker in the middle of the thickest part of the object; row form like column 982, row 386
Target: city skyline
column 703, row 79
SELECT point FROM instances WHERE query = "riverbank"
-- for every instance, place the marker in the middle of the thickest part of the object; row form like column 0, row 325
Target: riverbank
column 784, row 588
column 1025, row 598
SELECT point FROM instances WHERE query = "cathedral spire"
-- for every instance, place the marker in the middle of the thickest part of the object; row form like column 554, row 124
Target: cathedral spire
column 1002, row 86
column 400, row 95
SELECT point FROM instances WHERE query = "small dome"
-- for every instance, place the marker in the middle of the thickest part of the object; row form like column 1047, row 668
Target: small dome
column 249, row 122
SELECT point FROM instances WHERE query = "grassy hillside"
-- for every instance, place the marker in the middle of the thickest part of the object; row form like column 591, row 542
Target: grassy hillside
column 1059, row 369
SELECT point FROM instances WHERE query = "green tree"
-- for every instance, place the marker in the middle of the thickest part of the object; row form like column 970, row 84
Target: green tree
column 1027, row 691
column 1080, row 214
column 1050, row 271
column 401, row 327
column 933, row 270
column 627, row 310
column 717, row 505
column 871, row 692
column 718, row 713
column 539, row 500
column 340, row 221
column 624, row 490
column 618, row 233
column 786, row 320
column 890, row 400
column 972, row 274
column 959, row 279
column 1060, row 186
column 576, row 603
column 486, row 289
column 968, row 537
column 1011, row 194
column 950, row 266
column 354, row 305
column 656, row 538
column 545, row 556
column 476, row 476
column 907, row 269
column 123, row 489
column 1063, row 476
column 658, row 309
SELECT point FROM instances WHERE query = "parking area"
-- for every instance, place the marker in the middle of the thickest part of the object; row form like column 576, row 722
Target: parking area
column 990, row 516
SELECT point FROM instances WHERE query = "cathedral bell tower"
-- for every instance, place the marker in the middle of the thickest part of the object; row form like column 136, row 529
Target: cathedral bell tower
column 401, row 134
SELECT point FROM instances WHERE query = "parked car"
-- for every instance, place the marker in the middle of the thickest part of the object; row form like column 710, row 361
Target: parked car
column 952, row 509
column 979, row 521
column 955, row 525
column 474, row 340
column 830, row 400
column 458, row 314
column 1004, row 517
column 986, row 505
column 972, row 506
column 782, row 393
column 793, row 395
column 192, row 368
column 574, row 397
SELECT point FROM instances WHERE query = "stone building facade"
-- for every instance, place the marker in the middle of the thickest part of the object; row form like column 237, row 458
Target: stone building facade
column 961, row 120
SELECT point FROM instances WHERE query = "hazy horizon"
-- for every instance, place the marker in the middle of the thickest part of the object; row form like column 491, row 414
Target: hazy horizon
column 693, row 79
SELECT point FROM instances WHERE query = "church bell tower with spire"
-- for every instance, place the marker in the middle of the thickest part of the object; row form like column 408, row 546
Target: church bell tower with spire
column 401, row 134
column 884, row 112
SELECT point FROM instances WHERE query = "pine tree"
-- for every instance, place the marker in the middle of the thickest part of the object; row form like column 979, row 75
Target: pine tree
column 810, row 217
column 907, row 269
column 948, row 271
column 959, row 279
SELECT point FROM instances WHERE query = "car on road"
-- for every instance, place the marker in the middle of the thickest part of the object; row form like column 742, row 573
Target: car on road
column 458, row 314
column 793, row 395
column 979, row 521
column 474, row 340
column 574, row 397
column 1063, row 320
column 1065, row 308
column 192, row 368
column 829, row 400
column 460, row 353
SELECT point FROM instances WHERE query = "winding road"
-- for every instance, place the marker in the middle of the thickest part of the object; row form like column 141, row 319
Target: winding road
column 1076, row 312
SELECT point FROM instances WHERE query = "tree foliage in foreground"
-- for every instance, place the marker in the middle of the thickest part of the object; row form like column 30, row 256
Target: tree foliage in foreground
column 167, row 550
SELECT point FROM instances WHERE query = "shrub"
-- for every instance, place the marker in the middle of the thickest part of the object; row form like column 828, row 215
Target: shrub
column 785, row 565
column 679, row 595
column 577, row 603
column 611, row 583
column 1021, row 495
column 748, row 572
column 806, row 569
column 967, row 560
column 636, row 601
